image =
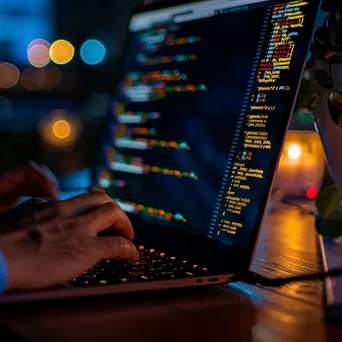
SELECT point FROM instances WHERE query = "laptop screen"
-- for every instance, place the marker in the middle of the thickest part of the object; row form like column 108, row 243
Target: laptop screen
column 201, row 112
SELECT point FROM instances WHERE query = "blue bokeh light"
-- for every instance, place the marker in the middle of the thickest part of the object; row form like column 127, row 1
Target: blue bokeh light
column 93, row 52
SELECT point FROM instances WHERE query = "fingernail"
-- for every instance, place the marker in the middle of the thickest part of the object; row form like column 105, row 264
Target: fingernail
column 49, row 200
column 43, row 200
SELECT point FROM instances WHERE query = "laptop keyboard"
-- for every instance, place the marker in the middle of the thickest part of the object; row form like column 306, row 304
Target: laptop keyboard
column 153, row 265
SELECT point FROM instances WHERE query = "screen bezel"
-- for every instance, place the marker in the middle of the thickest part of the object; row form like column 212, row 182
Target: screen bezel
column 216, row 250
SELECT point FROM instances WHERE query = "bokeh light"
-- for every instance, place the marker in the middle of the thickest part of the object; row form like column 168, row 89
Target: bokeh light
column 45, row 78
column 294, row 152
column 61, row 129
column 38, row 53
column 312, row 193
column 93, row 52
column 50, row 78
column 335, row 98
column 62, row 52
column 41, row 78
column 29, row 79
column 9, row 75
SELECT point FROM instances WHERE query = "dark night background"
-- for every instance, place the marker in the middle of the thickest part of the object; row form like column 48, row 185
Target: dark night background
column 84, row 93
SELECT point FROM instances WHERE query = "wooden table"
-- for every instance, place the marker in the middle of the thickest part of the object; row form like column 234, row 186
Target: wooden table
column 236, row 312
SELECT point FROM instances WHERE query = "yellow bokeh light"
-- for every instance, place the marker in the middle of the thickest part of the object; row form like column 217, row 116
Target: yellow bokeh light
column 62, row 52
column 61, row 129
column 294, row 152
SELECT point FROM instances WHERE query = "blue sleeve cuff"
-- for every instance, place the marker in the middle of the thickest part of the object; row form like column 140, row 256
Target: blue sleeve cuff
column 3, row 273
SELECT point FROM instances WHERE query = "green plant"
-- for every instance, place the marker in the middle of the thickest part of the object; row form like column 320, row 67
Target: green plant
column 329, row 218
column 327, row 201
column 326, row 47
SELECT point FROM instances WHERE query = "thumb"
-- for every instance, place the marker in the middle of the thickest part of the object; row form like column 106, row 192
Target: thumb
column 116, row 247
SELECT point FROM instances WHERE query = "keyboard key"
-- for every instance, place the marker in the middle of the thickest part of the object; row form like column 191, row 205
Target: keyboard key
column 153, row 265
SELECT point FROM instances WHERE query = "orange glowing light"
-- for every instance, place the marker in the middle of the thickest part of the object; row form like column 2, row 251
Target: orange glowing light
column 296, row 176
column 294, row 152
column 62, row 52
column 9, row 75
column 61, row 129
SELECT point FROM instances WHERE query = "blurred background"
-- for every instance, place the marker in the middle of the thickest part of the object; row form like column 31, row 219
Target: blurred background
column 57, row 76
column 58, row 71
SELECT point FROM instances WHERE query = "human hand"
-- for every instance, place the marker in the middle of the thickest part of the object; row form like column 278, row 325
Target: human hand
column 27, row 180
column 58, row 241
column 20, row 216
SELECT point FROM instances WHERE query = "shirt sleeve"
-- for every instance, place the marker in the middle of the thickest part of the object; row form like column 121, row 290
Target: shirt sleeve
column 3, row 273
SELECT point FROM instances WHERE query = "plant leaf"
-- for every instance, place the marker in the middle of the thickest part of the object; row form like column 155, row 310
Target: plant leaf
column 327, row 200
column 329, row 228
column 316, row 98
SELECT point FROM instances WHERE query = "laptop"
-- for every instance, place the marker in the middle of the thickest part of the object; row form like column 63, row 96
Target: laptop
column 193, row 139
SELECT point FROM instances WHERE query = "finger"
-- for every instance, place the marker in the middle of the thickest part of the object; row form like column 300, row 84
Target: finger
column 47, row 180
column 116, row 247
column 84, row 203
column 27, row 180
column 73, row 207
column 26, row 214
column 105, row 216
column 24, row 210
column 86, row 207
